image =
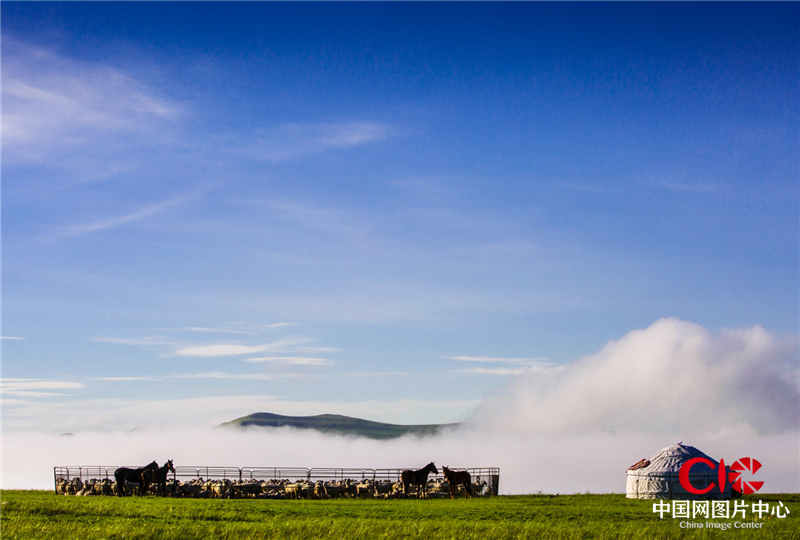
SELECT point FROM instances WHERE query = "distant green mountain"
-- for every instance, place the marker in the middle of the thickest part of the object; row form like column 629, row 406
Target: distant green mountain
column 337, row 424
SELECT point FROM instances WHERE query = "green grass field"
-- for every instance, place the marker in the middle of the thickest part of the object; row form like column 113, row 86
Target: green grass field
column 41, row 514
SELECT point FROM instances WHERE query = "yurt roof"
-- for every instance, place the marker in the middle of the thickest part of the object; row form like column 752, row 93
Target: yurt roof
column 670, row 459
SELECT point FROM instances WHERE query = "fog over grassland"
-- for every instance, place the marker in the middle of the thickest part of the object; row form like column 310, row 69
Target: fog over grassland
column 559, row 429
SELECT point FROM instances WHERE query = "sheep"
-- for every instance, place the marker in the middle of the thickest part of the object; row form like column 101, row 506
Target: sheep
column 246, row 488
column 480, row 488
column 103, row 487
column 74, row 486
column 93, row 486
column 306, row 489
column 87, row 488
column 364, row 488
column 335, row 488
column 383, row 488
column 397, row 489
column 320, row 491
column 208, row 489
column 221, row 489
column 292, row 490
column 439, row 488
column 194, row 488
column 349, row 488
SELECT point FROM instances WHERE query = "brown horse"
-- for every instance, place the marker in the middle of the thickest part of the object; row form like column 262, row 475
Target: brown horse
column 124, row 475
column 458, row 477
column 417, row 478
column 158, row 476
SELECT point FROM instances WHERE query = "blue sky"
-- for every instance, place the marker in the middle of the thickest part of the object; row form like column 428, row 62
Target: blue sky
column 384, row 210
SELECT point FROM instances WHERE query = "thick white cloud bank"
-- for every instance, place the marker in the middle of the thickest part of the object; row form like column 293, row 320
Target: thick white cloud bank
column 529, row 463
column 569, row 429
column 673, row 377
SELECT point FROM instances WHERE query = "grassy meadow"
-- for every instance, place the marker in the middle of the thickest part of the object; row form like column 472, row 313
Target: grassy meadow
column 42, row 514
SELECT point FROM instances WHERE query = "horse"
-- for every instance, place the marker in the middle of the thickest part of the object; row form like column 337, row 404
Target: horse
column 458, row 477
column 417, row 478
column 158, row 476
column 123, row 475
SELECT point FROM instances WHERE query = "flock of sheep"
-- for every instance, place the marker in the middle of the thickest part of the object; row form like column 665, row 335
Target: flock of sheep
column 271, row 489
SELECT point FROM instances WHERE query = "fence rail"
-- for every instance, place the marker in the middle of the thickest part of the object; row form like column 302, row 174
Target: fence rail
column 184, row 473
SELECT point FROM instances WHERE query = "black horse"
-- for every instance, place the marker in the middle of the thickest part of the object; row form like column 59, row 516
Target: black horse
column 418, row 478
column 158, row 476
column 124, row 475
column 458, row 477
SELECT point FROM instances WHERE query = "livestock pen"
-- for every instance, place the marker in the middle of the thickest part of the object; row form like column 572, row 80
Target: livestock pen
column 274, row 482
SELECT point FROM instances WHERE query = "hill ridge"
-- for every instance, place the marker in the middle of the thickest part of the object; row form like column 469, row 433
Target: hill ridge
column 338, row 424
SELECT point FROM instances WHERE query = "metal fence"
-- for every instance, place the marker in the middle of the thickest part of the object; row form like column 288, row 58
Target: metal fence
column 490, row 475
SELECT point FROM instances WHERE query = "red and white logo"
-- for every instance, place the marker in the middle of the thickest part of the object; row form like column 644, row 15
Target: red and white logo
column 745, row 464
column 734, row 475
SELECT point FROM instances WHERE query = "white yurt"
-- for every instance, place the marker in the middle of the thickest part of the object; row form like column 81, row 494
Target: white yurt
column 657, row 477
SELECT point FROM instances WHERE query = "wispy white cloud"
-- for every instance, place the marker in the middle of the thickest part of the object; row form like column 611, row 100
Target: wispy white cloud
column 277, row 325
column 292, row 360
column 351, row 134
column 238, row 328
column 11, row 338
column 693, row 187
column 232, row 349
column 378, row 373
column 589, row 187
column 493, row 371
column 291, row 350
column 30, row 384
column 323, row 220
column 232, row 328
column 500, row 359
column 427, row 188
column 53, row 103
column 218, row 375
column 118, row 220
column 515, row 366
column 31, row 393
column 125, row 379
column 235, row 376
column 149, row 340
column 36, row 387
column 12, row 402
column 310, row 349
column 293, row 140
column 208, row 330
